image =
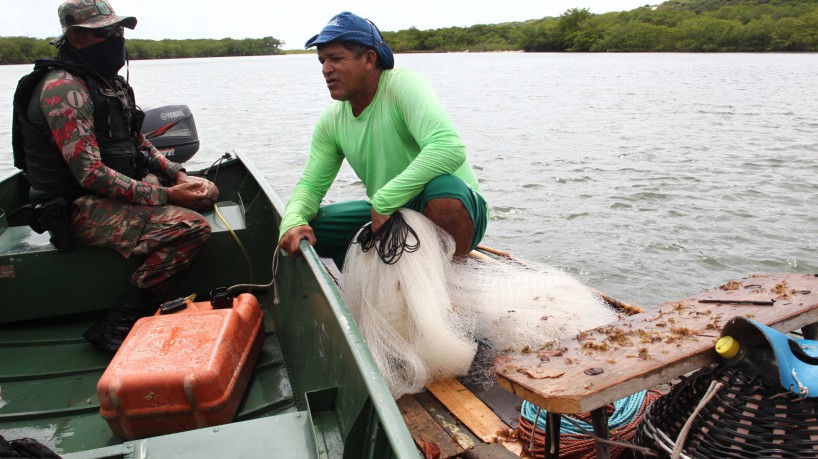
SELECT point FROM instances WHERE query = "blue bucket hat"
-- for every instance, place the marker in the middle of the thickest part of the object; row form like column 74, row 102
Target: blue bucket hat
column 350, row 27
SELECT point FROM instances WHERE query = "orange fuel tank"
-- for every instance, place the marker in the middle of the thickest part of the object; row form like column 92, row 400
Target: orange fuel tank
column 182, row 371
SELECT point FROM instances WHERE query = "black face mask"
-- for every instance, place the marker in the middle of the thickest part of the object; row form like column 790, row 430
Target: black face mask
column 106, row 57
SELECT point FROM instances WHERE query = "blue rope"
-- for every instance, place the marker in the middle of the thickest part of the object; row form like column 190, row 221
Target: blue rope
column 625, row 411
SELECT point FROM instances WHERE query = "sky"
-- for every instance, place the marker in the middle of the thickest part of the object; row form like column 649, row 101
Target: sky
column 291, row 21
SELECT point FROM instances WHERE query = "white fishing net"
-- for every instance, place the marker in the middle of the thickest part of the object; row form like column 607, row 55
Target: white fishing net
column 406, row 312
column 520, row 305
column 422, row 316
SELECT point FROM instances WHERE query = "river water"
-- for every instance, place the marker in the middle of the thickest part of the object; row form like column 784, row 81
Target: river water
column 651, row 177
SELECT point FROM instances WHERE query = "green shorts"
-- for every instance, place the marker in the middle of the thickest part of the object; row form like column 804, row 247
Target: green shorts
column 336, row 224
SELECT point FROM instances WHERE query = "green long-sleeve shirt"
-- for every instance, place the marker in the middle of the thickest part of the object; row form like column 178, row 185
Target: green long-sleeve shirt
column 401, row 141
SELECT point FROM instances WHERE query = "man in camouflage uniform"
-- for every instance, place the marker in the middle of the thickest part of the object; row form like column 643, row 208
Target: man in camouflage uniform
column 80, row 138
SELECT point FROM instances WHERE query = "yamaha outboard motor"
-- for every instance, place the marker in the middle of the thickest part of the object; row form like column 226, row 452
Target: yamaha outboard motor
column 171, row 129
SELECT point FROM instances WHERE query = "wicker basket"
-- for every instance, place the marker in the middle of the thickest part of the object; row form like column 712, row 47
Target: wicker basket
column 746, row 418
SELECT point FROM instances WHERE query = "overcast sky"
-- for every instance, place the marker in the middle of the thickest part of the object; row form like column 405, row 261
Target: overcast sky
column 292, row 21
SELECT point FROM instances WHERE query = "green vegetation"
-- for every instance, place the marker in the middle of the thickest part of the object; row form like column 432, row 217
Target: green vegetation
column 23, row 50
column 169, row 49
column 675, row 25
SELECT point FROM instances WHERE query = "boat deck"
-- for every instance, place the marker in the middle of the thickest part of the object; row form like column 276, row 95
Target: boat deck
column 467, row 417
column 639, row 352
column 314, row 392
column 49, row 378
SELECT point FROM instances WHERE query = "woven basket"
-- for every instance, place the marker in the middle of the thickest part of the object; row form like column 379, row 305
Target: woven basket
column 746, row 418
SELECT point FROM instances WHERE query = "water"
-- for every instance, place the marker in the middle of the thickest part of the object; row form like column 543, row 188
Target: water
column 651, row 177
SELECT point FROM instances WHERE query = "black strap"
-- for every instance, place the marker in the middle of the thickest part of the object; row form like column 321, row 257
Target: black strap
column 27, row 448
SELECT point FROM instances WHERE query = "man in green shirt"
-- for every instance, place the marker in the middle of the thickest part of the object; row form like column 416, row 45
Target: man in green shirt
column 391, row 128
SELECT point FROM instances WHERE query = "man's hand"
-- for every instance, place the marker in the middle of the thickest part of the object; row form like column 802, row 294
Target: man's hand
column 289, row 242
column 378, row 220
column 196, row 193
column 188, row 194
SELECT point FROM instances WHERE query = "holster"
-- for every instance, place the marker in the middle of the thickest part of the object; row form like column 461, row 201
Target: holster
column 53, row 215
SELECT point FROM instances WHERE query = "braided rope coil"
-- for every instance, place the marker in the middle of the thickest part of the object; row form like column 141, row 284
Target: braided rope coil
column 575, row 443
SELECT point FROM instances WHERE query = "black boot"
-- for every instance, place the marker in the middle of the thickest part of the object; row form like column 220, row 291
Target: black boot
column 111, row 329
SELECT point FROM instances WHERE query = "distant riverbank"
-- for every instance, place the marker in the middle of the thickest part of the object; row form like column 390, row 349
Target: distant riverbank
column 25, row 50
column 673, row 26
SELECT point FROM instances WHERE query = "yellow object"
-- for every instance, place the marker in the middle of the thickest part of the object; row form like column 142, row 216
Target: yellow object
column 727, row 347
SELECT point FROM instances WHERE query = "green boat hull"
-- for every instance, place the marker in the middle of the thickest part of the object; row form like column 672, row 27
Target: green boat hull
column 315, row 390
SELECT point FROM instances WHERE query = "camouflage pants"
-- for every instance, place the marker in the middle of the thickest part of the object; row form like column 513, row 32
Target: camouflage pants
column 170, row 236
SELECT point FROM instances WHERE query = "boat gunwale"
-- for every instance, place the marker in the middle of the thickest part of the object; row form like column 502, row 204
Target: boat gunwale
column 384, row 403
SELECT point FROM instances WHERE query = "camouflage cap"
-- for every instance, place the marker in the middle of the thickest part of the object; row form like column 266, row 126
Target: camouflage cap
column 89, row 14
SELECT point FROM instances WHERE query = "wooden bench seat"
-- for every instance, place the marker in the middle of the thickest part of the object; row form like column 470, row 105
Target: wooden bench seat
column 87, row 278
column 21, row 240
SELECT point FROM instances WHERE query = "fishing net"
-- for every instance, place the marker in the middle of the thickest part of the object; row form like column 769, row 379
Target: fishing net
column 518, row 305
column 421, row 313
column 405, row 310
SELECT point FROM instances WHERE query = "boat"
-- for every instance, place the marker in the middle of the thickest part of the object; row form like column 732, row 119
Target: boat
column 315, row 391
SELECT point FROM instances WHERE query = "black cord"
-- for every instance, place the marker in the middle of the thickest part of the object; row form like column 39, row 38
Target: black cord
column 218, row 162
column 390, row 241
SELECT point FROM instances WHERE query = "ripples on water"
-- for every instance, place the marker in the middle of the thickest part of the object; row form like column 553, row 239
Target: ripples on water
column 650, row 176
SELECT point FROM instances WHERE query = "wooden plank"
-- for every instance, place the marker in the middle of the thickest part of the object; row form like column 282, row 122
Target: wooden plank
column 423, row 427
column 504, row 404
column 598, row 367
column 475, row 448
column 472, row 412
column 468, row 409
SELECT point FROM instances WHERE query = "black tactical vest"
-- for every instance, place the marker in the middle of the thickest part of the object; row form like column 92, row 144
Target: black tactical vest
column 117, row 123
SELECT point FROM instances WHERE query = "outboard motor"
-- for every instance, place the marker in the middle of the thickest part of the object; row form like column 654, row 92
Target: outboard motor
column 172, row 130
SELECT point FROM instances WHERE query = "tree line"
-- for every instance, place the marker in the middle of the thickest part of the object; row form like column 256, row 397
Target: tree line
column 23, row 50
column 675, row 25
column 171, row 49
column 679, row 25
